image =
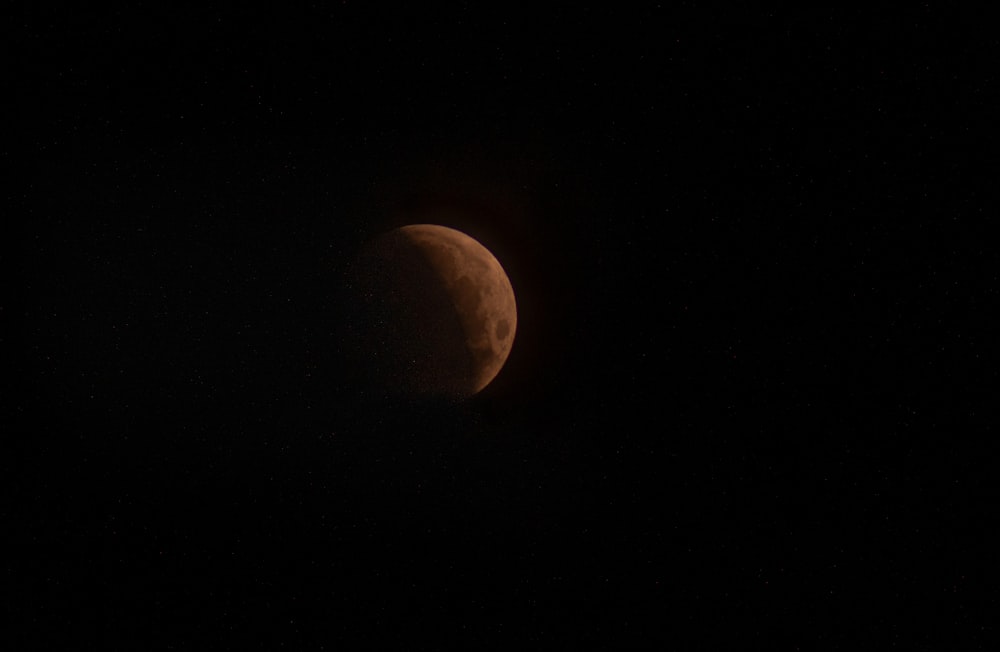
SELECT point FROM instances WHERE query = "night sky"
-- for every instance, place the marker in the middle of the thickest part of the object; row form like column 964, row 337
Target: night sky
column 752, row 395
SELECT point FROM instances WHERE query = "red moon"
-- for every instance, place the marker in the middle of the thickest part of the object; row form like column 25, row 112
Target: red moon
column 441, row 313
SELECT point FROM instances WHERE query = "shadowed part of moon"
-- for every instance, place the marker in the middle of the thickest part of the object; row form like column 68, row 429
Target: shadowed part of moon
column 436, row 312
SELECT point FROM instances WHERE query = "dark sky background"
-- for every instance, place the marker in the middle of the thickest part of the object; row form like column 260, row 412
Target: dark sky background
column 752, row 382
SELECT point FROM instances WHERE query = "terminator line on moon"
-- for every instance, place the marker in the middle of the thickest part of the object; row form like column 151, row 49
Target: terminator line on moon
column 438, row 312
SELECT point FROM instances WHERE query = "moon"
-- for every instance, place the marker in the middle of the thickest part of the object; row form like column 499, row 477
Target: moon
column 438, row 312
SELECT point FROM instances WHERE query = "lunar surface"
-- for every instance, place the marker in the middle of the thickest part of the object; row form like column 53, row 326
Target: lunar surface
column 438, row 314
